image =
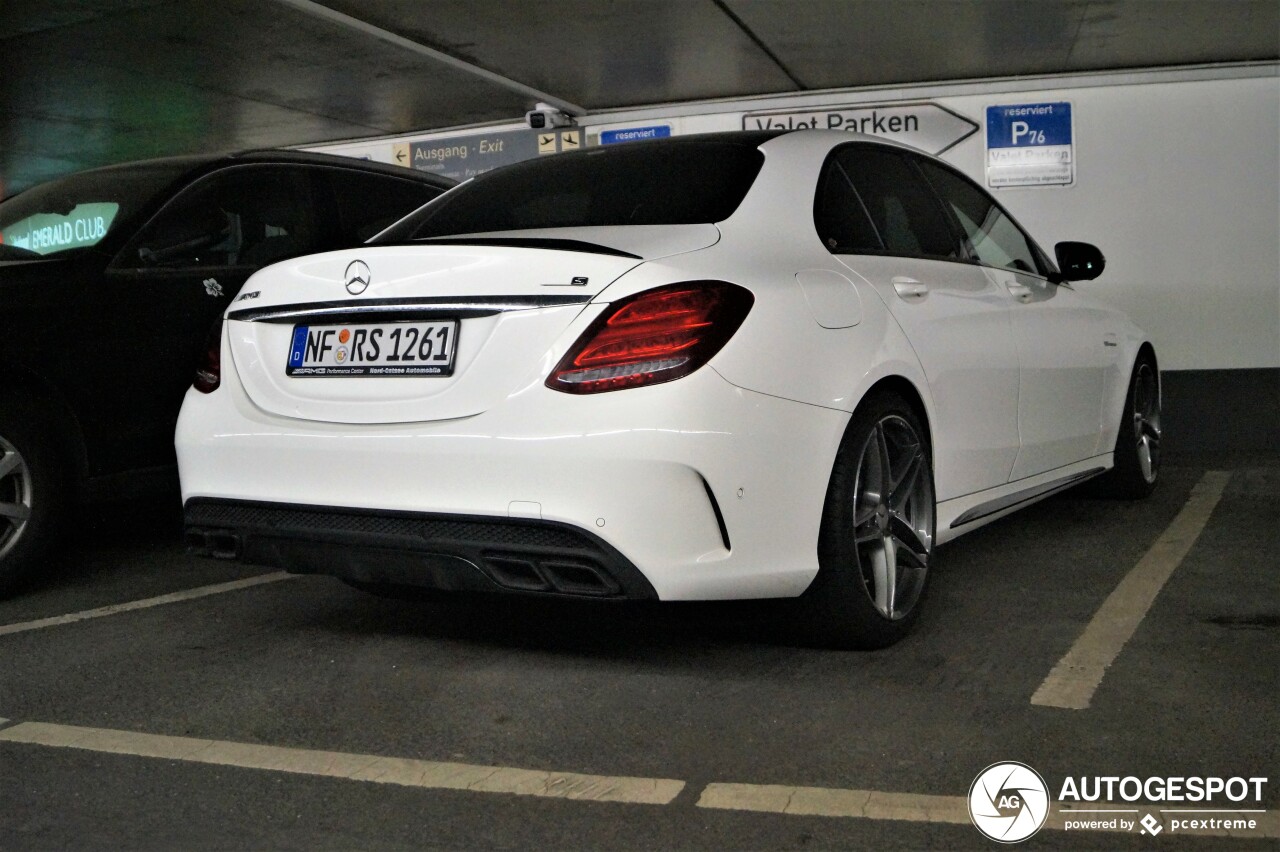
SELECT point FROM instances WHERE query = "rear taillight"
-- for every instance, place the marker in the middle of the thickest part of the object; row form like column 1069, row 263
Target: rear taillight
column 653, row 337
column 209, row 373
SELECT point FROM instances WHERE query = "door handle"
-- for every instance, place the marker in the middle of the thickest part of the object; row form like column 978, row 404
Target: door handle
column 910, row 288
column 1022, row 291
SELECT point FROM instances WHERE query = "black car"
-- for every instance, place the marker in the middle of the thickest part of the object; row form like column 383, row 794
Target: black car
column 110, row 281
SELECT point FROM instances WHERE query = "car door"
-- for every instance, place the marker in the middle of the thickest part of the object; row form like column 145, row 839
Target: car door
column 163, row 292
column 896, row 235
column 1062, row 352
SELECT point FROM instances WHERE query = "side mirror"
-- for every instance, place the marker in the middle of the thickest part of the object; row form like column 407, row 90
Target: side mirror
column 1079, row 261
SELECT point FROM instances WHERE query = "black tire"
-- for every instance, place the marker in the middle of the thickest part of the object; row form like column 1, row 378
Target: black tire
column 865, row 539
column 1137, row 452
column 33, row 478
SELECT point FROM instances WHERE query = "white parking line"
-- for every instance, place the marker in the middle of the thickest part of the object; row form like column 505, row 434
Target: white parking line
column 822, row 801
column 912, row 807
column 429, row 774
column 355, row 767
column 1073, row 681
column 175, row 597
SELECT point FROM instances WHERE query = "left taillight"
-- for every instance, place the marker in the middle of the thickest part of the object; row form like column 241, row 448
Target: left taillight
column 652, row 337
column 209, row 373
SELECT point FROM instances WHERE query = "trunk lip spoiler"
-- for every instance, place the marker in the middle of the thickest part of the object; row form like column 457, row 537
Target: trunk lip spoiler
column 551, row 243
column 406, row 308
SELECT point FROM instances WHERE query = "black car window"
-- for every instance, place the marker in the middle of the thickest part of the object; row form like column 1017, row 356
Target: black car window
column 993, row 237
column 79, row 210
column 673, row 183
column 841, row 218
column 905, row 212
column 246, row 216
column 368, row 203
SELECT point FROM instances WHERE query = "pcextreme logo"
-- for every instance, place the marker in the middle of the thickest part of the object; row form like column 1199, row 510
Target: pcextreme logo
column 1008, row 802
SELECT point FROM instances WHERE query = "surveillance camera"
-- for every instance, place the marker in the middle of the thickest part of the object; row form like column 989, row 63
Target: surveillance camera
column 544, row 116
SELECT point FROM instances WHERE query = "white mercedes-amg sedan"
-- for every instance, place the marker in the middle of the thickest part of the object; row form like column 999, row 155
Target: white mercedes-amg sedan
column 743, row 365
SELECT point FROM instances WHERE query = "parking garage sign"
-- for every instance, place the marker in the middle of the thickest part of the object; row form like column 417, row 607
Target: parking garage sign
column 1030, row 145
column 462, row 157
column 926, row 126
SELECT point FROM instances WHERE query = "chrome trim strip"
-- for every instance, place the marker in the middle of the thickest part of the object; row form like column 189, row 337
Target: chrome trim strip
column 1010, row 500
column 482, row 306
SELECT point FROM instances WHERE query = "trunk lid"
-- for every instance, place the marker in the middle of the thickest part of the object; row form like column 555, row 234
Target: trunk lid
column 512, row 295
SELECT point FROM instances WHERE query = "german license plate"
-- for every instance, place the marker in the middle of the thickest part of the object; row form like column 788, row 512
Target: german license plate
column 385, row 349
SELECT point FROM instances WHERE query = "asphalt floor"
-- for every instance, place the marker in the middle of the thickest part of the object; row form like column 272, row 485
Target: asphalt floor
column 704, row 694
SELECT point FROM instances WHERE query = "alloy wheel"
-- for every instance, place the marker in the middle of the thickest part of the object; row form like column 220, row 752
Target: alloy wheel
column 1146, row 421
column 893, row 516
column 15, row 496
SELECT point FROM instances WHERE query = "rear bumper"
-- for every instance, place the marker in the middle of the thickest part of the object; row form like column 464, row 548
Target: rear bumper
column 451, row 552
column 709, row 491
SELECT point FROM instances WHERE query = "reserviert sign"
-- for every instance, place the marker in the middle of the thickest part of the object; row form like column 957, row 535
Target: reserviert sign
column 1030, row 145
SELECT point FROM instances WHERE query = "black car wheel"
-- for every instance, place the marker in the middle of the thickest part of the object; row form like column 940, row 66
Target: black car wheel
column 877, row 531
column 32, row 493
column 1137, row 453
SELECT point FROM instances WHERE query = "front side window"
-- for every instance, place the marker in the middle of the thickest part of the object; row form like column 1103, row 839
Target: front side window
column 675, row 183
column 993, row 237
column 78, row 211
column 904, row 211
column 247, row 216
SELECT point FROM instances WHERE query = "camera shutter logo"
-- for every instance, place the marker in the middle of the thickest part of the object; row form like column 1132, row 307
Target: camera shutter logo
column 1008, row 802
column 357, row 277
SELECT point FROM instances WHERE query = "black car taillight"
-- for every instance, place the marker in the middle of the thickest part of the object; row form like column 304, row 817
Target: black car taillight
column 209, row 373
column 653, row 337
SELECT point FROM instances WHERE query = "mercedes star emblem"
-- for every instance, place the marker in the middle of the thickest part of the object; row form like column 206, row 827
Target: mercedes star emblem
column 357, row 277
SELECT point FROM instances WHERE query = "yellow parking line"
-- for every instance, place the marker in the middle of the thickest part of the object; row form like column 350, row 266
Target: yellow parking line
column 115, row 609
column 355, row 767
column 1073, row 681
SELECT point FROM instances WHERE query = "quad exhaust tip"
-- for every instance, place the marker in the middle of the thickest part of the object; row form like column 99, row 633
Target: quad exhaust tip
column 219, row 544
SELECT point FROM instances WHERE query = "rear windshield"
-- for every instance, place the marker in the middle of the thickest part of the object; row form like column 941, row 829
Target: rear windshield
column 637, row 184
column 77, row 211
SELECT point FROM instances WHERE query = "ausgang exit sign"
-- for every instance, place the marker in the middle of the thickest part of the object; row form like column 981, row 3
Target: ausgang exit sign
column 1030, row 145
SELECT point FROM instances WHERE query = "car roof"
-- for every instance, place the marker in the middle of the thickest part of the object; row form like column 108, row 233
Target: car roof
column 198, row 162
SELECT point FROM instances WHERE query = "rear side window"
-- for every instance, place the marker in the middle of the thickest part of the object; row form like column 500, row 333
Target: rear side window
column 638, row 184
column 905, row 212
column 368, row 203
column 993, row 237
column 841, row 218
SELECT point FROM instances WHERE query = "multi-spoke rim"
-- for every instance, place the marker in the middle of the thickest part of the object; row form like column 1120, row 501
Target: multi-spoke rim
column 15, row 496
column 893, row 516
column 1146, row 421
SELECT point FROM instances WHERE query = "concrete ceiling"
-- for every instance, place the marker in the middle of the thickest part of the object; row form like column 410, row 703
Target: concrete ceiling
column 90, row 82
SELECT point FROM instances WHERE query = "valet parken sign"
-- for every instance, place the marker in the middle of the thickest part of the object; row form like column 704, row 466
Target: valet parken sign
column 926, row 126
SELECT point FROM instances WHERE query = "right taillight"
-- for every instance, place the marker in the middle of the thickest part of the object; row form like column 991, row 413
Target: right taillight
column 653, row 337
column 209, row 372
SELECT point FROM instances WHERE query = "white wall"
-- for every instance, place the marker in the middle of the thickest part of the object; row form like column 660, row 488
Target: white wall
column 1177, row 180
